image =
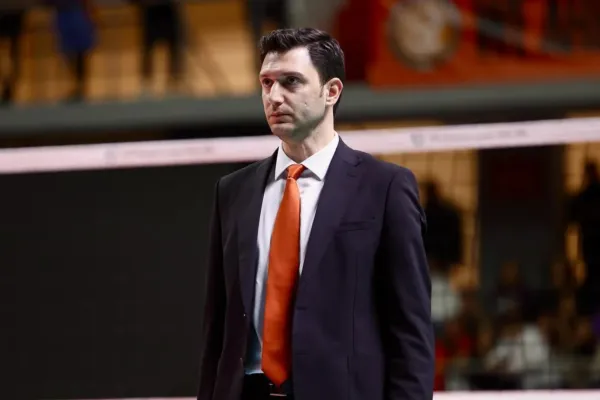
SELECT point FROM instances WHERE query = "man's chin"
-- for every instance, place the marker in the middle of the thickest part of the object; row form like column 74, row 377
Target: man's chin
column 282, row 130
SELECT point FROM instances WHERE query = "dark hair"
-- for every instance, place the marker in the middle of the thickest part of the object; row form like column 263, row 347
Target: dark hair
column 325, row 52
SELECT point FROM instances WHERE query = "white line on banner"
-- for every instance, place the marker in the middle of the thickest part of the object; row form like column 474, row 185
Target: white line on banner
column 504, row 395
column 242, row 149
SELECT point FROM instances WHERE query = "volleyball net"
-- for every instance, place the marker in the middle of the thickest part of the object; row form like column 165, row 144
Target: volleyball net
column 379, row 142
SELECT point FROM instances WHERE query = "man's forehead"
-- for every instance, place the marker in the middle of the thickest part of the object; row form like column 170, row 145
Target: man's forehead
column 295, row 60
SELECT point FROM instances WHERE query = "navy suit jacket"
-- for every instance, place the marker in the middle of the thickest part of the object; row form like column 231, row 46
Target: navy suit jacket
column 362, row 318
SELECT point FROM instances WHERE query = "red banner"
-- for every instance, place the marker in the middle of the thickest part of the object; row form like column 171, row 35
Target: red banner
column 448, row 42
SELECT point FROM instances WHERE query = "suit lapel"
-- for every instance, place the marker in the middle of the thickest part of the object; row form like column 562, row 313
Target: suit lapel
column 251, row 196
column 341, row 184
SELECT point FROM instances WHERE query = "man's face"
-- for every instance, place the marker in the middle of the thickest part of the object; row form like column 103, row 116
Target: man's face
column 293, row 97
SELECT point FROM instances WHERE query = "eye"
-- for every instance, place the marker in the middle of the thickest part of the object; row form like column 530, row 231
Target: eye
column 267, row 82
column 291, row 80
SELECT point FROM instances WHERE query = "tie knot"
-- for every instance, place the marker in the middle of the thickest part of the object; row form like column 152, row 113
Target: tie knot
column 294, row 171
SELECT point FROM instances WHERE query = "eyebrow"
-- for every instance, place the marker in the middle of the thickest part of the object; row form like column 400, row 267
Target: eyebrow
column 281, row 73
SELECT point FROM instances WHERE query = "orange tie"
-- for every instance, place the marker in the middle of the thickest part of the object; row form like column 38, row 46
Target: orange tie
column 284, row 266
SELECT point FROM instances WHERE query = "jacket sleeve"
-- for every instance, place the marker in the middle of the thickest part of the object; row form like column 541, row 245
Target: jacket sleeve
column 211, row 336
column 406, row 294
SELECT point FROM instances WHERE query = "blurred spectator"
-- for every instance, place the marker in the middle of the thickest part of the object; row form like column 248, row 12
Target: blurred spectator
column 453, row 349
column 471, row 315
column 551, row 376
column 445, row 300
column 563, row 284
column 583, row 348
column 12, row 13
column 75, row 26
column 482, row 344
column 572, row 343
column 443, row 241
column 262, row 11
column 511, row 292
column 521, row 357
column 566, row 322
column 494, row 372
column 161, row 21
column 585, row 212
column 584, row 343
column 564, row 278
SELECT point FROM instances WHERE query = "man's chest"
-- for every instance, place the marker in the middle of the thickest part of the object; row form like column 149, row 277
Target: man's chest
column 309, row 190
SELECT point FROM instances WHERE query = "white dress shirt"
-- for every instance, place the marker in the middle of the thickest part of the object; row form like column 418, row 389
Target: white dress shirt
column 310, row 184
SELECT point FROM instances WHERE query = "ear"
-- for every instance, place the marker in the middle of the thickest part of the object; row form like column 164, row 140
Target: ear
column 333, row 91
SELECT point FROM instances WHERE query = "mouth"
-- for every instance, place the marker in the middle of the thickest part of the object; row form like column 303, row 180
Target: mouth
column 280, row 116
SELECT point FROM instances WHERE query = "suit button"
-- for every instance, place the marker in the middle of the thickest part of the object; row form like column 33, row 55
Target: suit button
column 244, row 315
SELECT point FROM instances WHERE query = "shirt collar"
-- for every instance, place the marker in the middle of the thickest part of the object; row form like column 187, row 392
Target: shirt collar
column 317, row 164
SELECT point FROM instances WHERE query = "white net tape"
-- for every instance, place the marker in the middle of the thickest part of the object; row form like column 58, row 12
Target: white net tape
column 242, row 149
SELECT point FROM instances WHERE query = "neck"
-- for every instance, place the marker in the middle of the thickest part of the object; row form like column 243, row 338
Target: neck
column 316, row 140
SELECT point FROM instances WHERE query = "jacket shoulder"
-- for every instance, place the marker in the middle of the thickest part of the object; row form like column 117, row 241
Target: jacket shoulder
column 385, row 169
column 236, row 178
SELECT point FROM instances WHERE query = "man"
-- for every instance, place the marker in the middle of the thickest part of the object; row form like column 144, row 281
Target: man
column 75, row 22
column 585, row 214
column 444, row 229
column 161, row 21
column 12, row 14
column 317, row 285
column 260, row 12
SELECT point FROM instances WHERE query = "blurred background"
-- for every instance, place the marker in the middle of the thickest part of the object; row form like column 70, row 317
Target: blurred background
column 101, row 269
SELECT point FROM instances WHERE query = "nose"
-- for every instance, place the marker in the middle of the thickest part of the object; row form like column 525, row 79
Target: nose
column 275, row 94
